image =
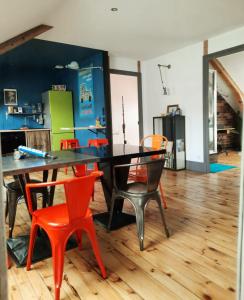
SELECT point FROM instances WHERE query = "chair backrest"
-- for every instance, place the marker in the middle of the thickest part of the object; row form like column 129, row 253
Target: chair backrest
column 78, row 193
column 97, row 142
column 80, row 170
column 69, row 144
column 156, row 141
column 154, row 172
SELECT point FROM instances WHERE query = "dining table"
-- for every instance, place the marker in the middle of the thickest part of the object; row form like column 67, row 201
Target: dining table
column 106, row 157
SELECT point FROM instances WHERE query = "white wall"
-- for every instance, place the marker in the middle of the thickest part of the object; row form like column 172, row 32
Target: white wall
column 122, row 63
column 184, row 80
column 186, row 87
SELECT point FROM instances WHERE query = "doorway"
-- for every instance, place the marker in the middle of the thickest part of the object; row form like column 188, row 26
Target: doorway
column 215, row 125
column 126, row 106
column 219, row 136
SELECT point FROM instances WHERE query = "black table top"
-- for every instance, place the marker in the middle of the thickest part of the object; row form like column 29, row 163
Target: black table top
column 109, row 152
column 34, row 164
column 72, row 157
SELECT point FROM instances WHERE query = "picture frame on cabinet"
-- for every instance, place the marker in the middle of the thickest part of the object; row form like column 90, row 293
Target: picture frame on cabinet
column 10, row 97
column 171, row 109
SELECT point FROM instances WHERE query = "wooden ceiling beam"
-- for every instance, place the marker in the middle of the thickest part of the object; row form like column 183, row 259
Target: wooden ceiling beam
column 23, row 38
column 216, row 64
column 205, row 47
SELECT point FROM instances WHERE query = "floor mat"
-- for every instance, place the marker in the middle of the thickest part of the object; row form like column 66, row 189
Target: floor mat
column 214, row 168
column 18, row 248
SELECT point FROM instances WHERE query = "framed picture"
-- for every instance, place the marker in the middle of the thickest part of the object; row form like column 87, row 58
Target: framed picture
column 10, row 97
column 171, row 109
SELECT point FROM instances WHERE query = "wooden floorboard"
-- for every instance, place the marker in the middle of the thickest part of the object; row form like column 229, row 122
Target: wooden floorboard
column 198, row 261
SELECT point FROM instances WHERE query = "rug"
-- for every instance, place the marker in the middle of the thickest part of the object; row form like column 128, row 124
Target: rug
column 215, row 168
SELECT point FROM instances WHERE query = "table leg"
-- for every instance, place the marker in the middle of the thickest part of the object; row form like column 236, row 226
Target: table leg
column 120, row 219
column 52, row 189
column 21, row 179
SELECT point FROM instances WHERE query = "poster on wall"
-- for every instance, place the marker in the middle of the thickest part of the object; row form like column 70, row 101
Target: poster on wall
column 86, row 97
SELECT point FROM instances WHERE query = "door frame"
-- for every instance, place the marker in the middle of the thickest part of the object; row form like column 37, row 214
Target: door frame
column 140, row 107
column 240, row 247
column 206, row 59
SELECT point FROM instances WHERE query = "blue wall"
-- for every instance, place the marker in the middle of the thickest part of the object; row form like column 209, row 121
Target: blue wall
column 30, row 78
column 30, row 83
column 72, row 81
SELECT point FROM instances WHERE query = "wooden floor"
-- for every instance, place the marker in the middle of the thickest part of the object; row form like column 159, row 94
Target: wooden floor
column 198, row 261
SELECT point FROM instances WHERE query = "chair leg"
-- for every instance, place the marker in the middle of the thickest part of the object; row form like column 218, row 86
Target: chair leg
column 92, row 236
column 162, row 195
column 140, row 225
column 111, row 212
column 162, row 216
column 58, row 249
column 12, row 206
column 33, row 233
column 6, row 207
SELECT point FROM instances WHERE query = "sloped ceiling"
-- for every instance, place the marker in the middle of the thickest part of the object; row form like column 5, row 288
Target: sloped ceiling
column 140, row 29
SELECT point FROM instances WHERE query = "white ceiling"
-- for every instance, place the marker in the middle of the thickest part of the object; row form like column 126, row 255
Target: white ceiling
column 141, row 29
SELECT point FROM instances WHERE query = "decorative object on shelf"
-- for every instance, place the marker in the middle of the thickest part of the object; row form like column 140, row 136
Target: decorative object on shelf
column 178, row 112
column 20, row 110
column 165, row 89
column 59, row 87
column 171, row 109
column 10, row 97
column 10, row 110
column 39, row 107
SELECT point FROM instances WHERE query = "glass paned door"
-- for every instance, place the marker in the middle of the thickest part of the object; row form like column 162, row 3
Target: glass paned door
column 212, row 110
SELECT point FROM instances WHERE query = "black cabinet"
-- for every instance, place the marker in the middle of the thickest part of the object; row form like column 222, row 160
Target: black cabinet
column 173, row 127
column 11, row 141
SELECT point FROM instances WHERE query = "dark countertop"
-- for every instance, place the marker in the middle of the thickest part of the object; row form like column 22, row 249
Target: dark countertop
column 29, row 129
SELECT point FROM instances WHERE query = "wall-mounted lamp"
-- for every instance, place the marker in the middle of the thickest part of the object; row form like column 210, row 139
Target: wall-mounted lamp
column 161, row 76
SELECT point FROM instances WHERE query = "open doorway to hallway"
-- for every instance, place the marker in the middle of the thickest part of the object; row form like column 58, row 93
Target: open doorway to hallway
column 126, row 104
column 225, row 103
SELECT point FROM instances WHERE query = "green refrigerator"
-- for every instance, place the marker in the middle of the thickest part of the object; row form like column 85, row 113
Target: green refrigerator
column 58, row 113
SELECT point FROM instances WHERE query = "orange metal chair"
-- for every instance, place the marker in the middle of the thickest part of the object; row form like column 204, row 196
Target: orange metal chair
column 83, row 170
column 69, row 144
column 63, row 220
column 155, row 141
column 97, row 142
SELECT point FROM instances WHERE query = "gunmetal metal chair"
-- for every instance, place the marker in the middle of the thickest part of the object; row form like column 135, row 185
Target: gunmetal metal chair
column 13, row 194
column 139, row 194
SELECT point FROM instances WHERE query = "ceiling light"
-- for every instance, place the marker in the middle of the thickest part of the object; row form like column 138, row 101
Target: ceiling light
column 114, row 9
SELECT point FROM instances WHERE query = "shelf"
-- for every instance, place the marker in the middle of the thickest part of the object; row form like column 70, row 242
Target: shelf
column 26, row 114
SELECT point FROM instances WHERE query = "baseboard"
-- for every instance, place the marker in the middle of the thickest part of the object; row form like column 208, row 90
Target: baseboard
column 196, row 166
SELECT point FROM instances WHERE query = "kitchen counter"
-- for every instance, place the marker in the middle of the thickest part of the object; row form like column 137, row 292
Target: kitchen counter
column 30, row 129
column 38, row 138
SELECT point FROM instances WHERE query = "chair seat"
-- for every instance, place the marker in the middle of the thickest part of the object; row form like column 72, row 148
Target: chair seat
column 136, row 188
column 56, row 216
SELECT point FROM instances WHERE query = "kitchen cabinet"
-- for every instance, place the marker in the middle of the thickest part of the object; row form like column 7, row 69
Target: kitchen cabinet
column 34, row 138
column 38, row 139
column 173, row 127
